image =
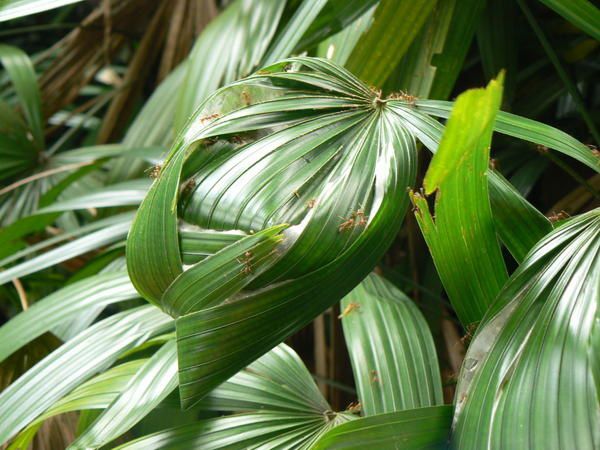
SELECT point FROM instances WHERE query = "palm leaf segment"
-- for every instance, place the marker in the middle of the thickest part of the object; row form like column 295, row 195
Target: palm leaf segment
column 530, row 378
column 313, row 166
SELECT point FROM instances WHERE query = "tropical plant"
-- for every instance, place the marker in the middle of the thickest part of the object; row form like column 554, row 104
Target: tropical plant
column 175, row 211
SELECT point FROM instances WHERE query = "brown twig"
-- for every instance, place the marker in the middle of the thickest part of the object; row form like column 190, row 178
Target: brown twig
column 22, row 295
column 45, row 173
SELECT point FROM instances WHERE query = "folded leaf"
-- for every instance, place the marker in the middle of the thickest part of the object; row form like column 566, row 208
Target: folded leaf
column 322, row 155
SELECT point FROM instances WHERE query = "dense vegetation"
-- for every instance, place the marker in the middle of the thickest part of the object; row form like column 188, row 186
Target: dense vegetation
column 261, row 224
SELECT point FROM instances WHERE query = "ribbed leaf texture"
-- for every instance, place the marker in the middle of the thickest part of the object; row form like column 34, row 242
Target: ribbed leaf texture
column 391, row 348
column 530, row 378
column 310, row 164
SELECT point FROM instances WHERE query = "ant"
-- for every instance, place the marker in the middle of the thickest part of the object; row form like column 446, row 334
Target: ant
column 561, row 215
column 352, row 306
column 208, row 118
column 347, row 224
column 246, row 98
column 188, row 186
column 246, row 261
column 354, row 408
column 469, row 333
column 404, row 97
column 594, row 150
column 356, row 218
column 374, row 377
column 154, row 171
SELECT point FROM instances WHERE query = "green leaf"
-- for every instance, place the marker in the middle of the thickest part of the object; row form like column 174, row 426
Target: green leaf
column 338, row 47
column 498, row 44
column 197, row 244
column 554, row 58
column 320, row 155
column 413, row 429
column 238, row 432
column 416, row 72
column 518, row 223
column 285, row 43
column 293, row 413
column 22, row 74
column 229, row 62
column 581, row 13
column 237, row 265
column 450, row 61
column 17, row 152
column 391, row 349
column 395, row 25
column 156, row 379
column 526, row 129
column 336, row 16
column 462, row 239
column 13, row 9
column 153, row 257
column 253, row 22
column 74, row 362
column 277, row 381
column 63, row 305
column 99, row 152
column 127, row 193
column 96, row 393
column 112, row 229
column 528, row 377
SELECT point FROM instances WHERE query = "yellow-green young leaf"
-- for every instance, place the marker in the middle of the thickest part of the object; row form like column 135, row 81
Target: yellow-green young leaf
column 518, row 223
column 462, row 237
column 395, row 25
column 463, row 147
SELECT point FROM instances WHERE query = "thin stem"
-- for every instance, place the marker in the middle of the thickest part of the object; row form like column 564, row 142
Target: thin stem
column 44, row 174
column 22, row 295
column 34, row 28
